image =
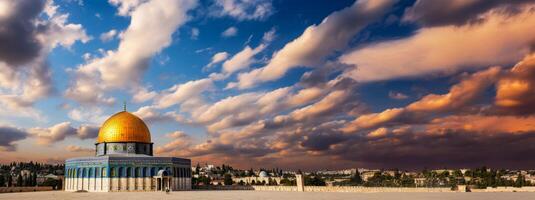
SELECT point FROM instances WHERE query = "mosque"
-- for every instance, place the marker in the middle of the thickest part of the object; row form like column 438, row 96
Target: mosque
column 124, row 161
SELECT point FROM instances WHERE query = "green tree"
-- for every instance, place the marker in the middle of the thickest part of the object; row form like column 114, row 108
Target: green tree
column 314, row 180
column 520, row 181
column 2, row 181
column 9, row 180
column 19, row 181
column 356, row 179
column 227, row 179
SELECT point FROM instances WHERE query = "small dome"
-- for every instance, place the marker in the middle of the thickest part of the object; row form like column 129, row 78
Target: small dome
column 124, row 127
column 263, row 174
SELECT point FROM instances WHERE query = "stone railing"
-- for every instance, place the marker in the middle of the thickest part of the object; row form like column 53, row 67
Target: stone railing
column 24, row 189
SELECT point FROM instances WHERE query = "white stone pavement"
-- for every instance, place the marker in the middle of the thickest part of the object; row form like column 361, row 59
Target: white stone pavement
column 265, row 195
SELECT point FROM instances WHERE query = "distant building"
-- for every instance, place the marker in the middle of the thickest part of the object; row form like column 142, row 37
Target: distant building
column 263, row 178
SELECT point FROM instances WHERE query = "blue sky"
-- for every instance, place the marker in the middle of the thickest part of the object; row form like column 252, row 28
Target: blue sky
column 253, row 83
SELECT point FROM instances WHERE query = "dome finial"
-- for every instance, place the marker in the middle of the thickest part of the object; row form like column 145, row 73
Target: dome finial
column 124, row 106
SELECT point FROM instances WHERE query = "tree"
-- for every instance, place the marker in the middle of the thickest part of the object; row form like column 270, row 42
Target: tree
column 314, row 180
column 227, row 179
column 2, row 181
column 9, row 180
column 19, row 181
column 34, row 179
column 520, row 181
column 356, row 179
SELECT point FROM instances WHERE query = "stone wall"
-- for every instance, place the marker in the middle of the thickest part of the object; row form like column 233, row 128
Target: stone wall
column 322, row 188
column 372, row 189
column 505, row 189
column 24, row 189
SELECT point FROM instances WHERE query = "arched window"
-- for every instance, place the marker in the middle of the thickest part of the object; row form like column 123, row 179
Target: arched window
column 103, row 172
column 138, row 172
column 90, row 172
column 83, row 172
column 120, row 172
column 77, row 173
column 113, row 172
column 97, row 172
column 128, row 172
column 152, row 171
column 144, row 172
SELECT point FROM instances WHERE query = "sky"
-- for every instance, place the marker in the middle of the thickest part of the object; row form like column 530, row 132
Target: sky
column 270, row 83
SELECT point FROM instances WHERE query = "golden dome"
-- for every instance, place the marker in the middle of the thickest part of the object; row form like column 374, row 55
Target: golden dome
column 124, row 127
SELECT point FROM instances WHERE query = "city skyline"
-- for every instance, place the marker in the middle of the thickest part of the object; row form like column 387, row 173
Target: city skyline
column 291, row 84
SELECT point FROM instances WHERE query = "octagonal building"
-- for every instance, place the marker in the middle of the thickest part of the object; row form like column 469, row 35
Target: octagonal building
column 124, row 161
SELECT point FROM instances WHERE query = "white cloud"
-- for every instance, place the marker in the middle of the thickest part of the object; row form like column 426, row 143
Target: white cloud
column 499, row 39
column 143, row 39
column 217, row 58
column 126, row 6
column 229, row 32
column 317, row 42
column 242, row 9
column 181, row 93
column 194, row 33
column 94, row 115
column 242, row 60
column 107, row 36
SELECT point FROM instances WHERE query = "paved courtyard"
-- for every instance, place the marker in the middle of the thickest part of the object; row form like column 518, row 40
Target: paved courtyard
column 262, row 195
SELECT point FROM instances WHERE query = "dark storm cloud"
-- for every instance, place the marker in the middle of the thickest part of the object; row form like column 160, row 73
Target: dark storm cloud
column 18, row 40
column 446, row 12
column 451, row 148
column 9, row 135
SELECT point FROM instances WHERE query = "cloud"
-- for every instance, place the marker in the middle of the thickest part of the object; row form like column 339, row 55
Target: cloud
column 151, row 115
column 501, row 39
column 107, row 36
column 194, row 35
column 217, row 58
column 317, row 42
column 397, row 95
column 60, row 131
column 515, row 92
column 242, row 60
column 87, row 131
column 126, row 7
column 91, row 114
column 31, row 29
column 457, row 12
column 460, row 96
column 18, row 33
column 183, row 93
column 142, row 39
column 179, row 141
column 229, row 32
column 242, row 9
column 74, row 148
column 10, row 135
